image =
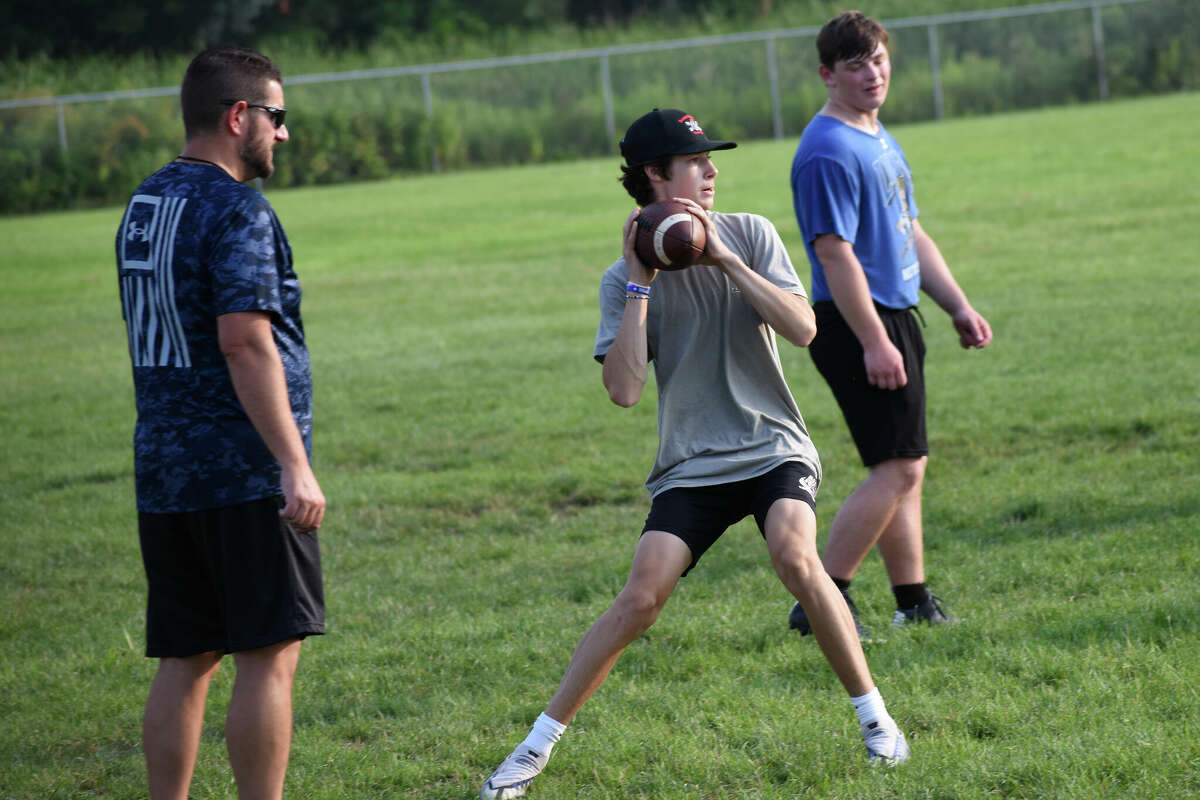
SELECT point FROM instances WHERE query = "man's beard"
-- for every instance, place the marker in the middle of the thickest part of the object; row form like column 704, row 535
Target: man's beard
column 257, row 156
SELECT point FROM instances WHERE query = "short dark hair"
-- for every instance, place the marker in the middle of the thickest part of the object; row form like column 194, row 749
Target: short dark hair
column 222, row 73
column 848, row 36
column 637, row 182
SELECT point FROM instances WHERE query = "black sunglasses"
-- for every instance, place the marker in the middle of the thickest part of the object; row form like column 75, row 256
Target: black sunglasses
column 277, row 114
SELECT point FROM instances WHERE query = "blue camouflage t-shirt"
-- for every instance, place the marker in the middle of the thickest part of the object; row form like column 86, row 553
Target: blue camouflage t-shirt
column 195, row 244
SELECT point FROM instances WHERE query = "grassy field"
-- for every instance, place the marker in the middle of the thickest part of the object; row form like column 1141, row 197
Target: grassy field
column 485, row 495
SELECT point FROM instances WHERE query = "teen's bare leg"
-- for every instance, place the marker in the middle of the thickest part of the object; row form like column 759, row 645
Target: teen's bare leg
column 791, row 534
column 258, row 727
column 881, row 510
column 902, row 543
column 173, row 720
column 658, row 562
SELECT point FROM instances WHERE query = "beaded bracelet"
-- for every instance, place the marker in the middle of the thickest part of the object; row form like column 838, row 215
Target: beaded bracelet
column 635, row 296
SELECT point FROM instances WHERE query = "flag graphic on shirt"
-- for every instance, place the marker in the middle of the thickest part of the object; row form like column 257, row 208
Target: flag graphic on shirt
column 145, row 254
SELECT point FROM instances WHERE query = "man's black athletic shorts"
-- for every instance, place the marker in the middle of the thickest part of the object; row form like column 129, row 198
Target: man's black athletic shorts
column 228, row 579
column 885, row 423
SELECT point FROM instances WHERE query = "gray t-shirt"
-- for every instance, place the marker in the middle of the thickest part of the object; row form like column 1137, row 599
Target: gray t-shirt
column 725, row 412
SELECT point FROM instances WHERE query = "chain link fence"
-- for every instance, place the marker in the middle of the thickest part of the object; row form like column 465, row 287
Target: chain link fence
column 78, row 150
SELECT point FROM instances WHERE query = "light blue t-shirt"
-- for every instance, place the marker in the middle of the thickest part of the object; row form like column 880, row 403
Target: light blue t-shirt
column 858, row 186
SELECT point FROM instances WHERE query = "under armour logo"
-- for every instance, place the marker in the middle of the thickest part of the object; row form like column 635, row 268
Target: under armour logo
column 692, row 125
column 809, row 484
column 138, row 233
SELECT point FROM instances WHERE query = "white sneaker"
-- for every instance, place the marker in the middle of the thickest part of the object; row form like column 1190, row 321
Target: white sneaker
column 514, row 774
column 885, row 742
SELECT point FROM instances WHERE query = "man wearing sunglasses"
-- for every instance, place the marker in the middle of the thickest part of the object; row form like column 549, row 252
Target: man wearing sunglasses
column 228, row 506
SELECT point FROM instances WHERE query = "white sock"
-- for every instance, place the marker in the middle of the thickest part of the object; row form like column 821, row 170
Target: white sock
column 545, row 734
column 869, row 707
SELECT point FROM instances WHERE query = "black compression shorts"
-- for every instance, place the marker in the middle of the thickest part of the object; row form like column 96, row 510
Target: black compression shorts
column 700, row 514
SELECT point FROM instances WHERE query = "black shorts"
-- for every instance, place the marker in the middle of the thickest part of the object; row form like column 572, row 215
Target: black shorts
column 700, row 514
column 228, row 579
column 885, row 423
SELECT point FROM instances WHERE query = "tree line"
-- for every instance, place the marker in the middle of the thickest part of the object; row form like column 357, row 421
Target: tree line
column 69, row 28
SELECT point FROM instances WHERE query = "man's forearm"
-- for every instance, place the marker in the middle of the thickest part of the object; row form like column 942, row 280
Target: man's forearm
column 258, row 379
column 259, row 382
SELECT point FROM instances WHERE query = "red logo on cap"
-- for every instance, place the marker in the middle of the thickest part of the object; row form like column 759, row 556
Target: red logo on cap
column 692, row 125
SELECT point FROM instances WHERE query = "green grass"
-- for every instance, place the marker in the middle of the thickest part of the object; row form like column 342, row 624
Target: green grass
column 485, row 495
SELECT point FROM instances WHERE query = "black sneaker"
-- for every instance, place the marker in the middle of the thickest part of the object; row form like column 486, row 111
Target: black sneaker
column 930, row 610
column 798, row 620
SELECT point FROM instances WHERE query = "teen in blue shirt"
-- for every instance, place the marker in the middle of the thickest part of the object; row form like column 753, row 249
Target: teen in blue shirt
column 853, row 194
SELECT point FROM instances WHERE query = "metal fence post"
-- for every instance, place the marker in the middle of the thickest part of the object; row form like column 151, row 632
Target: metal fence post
column 935, row 68
column 610, row 130
column 773, row 81
column 1098, row 45
column 427, row 91
column 62, row 130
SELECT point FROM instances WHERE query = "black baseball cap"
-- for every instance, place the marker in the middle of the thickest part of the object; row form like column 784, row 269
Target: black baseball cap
column 666, row 132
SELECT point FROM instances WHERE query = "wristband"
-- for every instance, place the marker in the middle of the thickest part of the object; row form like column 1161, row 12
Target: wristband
column 637, row 288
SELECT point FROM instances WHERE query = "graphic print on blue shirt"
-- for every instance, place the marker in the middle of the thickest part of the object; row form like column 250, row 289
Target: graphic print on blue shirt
column 195, row 244
column 892, row 172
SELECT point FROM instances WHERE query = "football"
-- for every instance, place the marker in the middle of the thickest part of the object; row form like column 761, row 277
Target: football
column 668, row 236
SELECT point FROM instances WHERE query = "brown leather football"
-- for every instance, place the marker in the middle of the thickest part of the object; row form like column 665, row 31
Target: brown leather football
column 668, row 236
